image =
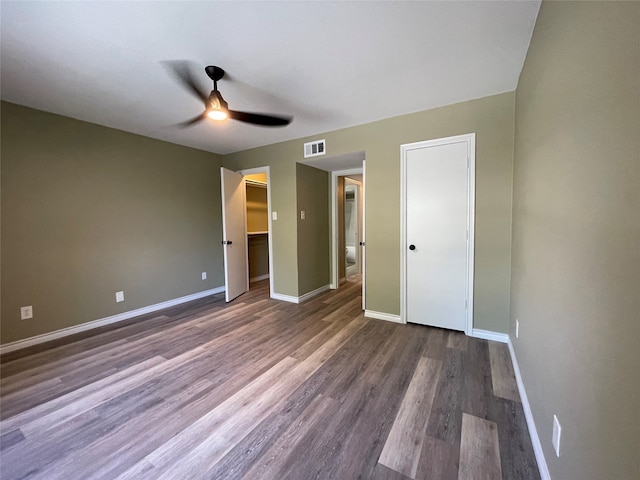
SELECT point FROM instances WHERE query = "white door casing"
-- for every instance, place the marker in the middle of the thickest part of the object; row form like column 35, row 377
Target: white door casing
column 438, row 197
column 334, row 221
column 363, row 249
column 234, row 233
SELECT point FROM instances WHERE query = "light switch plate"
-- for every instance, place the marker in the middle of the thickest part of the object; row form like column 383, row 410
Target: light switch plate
column 274, row 215
column 26, row 313
column 204, row 275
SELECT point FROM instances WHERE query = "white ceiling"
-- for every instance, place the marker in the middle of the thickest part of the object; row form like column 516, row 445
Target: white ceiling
column 329, row 64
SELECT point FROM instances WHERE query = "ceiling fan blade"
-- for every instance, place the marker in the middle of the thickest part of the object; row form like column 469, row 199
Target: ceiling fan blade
column 260, row 119
column 181, row 71
column 193, row 121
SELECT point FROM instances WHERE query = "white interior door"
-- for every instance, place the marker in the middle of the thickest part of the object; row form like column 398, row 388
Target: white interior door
column 437, row 208
column 234, row 233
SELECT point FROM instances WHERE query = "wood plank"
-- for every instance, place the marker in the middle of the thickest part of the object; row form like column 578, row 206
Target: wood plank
column 502, row 374
column 516, row 451
column 445, row 421
column 476, row 378
column 438, row 460
column 457, row 340
column 479, row 450
column 402, row 449
column 275, row 459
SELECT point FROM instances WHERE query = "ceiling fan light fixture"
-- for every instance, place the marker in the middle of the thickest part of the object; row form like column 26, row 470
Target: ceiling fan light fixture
column 217, row 114
column 217, row 107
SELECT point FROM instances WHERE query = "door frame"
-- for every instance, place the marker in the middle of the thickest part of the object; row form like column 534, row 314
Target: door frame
column 358, row 200
column 470, row 140
column 250, row 171
column 335, row 281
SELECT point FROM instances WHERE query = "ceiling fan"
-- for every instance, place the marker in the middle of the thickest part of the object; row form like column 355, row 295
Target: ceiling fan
column 215, row 106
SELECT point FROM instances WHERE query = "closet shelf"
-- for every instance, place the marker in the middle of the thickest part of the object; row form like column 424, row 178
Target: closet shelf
column 257, row 233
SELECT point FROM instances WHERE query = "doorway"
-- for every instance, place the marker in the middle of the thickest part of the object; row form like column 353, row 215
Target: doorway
column 258, row 207
column 350, row 229
column 437, row 232
column 248, row 252
column 340, row 180
column 349, row 164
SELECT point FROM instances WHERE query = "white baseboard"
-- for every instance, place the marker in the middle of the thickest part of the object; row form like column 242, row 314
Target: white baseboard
column 313, row 293
column 284, row 298
column 533, row 432
column 489, row 335
column 258, row 278
column 383, row 316
column 302, row 298
column 46, row 337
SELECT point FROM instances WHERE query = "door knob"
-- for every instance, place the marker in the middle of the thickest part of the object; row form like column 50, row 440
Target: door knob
column 412, row 247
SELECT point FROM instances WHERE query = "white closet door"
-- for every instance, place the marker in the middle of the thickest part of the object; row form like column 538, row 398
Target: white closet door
column 234, row 232
column 437, row 212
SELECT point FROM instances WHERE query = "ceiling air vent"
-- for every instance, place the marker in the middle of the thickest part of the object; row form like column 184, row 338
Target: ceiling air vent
column 313, row 149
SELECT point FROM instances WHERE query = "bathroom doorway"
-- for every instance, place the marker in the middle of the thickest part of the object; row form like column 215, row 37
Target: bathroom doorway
column 352, row 228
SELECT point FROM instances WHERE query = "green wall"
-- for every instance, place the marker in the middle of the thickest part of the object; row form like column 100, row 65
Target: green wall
column 313, row 230
column 88, row 211
column 258, row 252
column 576, row 236
column 492, row 120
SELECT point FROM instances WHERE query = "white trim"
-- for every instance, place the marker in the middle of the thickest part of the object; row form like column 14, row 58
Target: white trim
column 301, row 298
column 259, row 278
column 267, row 170
column 470, row 140
column 284, row 298
column 383, row 316
column 533, row 432
column 46, row 337
column 489, row 335
column 363, row 249
column 313, row 293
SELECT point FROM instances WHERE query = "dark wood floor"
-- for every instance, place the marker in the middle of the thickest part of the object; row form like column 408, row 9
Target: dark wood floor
column 262, row 389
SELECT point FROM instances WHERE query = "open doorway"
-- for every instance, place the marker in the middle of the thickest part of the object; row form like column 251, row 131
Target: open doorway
column 347, row 238
column 350, row 230
column 259, row 245
column 353, row 166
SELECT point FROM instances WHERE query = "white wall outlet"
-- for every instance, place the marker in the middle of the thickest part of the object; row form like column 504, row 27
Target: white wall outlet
column 26, row 313
column 119, row 297
column 303, row 215
column 555, row 439
column 274, row 215
column 517, row 327
column 204, row 275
